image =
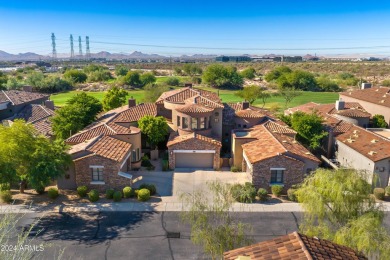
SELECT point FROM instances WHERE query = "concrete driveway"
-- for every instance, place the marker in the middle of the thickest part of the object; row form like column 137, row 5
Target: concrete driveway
column 171, row 184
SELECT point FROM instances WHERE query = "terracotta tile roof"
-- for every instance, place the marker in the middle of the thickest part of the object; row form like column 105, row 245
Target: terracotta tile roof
column 249, row 113
column 17, row 97
column 379, row 96
column 185, row 93
column 134, row 114
column 164, row 95
column 43, row 126
column 110, row 148
column 367, row 143
column 230, row 110
column 355, row 113
column 294, row 246
column 279, row 127
column 194, row 108
column 174, row 138
column 204, row 102
column 351, row 109
column 33, row 112
column 269, row 144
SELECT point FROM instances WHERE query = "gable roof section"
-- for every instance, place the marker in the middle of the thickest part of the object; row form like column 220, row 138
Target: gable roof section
column 294, row 246
column 378, row 96
column 134, row 114
column 204, row 102
column 249, row 113
column 102, row 129
column 43, row 126
column 17, row 97
column 110, row 148
column 279, row 127
column 367, row 143
column 181, row 95
column 33, row 112
column 194, row 108
column 174, row 138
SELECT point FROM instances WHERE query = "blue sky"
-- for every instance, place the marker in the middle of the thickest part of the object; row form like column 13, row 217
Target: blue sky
column 188, row 27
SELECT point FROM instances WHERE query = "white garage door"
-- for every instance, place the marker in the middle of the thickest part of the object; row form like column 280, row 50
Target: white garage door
column 194, row 160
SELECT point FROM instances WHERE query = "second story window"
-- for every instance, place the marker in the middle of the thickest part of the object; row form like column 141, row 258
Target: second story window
column 194, row 123
column 178, row 120
column 184, row 122
column 202, row 123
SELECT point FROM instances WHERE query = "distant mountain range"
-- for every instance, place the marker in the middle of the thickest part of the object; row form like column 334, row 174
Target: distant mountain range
column 4, row 56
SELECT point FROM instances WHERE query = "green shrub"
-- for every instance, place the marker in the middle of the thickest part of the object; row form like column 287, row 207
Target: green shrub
column 5, row 186
column 235, row 169
column 150, row 187
column 165, row 165
column 172, row 81
column 292, row 195
column 379, row 193
column 150, row 168
column 6, row 196
column 128, row 192
column 244, row 193
column 82, row 191
column 136, row 192
column 145, row 162
column 277, row 190
column 117, row 196
column 93, row 195
column 262, row 194
column 53, row 193
column 110, row 193
column 143, row 195
column 40, row 190
column 387, row 190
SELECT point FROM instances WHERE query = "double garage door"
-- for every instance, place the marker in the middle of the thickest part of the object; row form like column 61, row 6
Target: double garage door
column 194, row 160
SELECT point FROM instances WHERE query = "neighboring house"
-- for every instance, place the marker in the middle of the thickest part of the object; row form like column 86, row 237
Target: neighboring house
column 293, row 246
column 364, row 150
column 270, row 153
column 351, row 112
column 13, row 101
column 374, row 100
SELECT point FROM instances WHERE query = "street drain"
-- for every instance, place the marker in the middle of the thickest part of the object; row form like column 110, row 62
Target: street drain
column 173, row 234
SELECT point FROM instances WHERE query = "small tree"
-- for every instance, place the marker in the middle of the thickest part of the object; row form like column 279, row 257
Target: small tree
column 121, row 70
column 264, row 96
column 379, row 121
column 75, row 76
column 339, row 207
column 153, row 92
column 249, row 93
column 219, row 76
column 248, row 73
column 212, row 223
column 147, row 78
column 289, row 94
column 155, row 128
column 114, row 98
column 132, row 78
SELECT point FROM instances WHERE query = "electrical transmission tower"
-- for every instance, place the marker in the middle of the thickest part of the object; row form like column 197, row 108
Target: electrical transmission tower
column 53, row 44
column 71, row 47
column 80, row 48
column 88, row 51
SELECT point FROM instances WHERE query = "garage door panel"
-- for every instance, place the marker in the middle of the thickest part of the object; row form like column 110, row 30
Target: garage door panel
column 194, row 160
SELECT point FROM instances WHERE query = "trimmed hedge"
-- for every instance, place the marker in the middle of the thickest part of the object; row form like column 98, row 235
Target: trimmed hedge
column 277, row 190
column 93, row 195
column 379, row 193
column 128, row 192
column 53, row 193
column 262, row 194
column 117, row 196
column 6, row 196
column 292, row 195
column 150, row 187
column 82, row 191
column 110, row 194
column 143, row 195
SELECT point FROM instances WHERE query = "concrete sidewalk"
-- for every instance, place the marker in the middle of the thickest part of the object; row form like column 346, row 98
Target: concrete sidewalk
column 151, row 206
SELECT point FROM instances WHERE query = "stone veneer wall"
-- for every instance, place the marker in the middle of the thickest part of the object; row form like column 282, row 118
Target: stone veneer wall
column 110, row 173
column 194, row 144
column 294, row 173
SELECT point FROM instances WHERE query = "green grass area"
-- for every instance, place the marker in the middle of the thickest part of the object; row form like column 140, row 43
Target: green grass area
column 225, row 95
column 61, row 98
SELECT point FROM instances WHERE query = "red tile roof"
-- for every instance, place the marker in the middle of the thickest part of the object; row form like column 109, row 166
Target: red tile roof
column 351, row 109
column 204, row 102
column 367, row 143
column 43, row 126
column 33, row 112
column 230, row 110
column 194, row 108
column 134, row 114
column 378, row 96
column 17, row 97
column 181, row 95
column 110, row 148
column 249, row 113
column 294, row 246
column 174, row 138
column 279, row 127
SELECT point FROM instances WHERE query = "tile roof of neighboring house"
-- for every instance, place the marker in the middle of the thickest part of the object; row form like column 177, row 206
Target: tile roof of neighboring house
column 134, row 114
column 294, row 246
column 179, row 96
column 43, row 126
column 249, row 113
column 230, row 110
column 379, row 96
column 17, row 97
column 204, row 102
column 166, row 94
column 174, row 138
column 193, row 108
column 33, row 112
column 279, row 127
column 367, row 143
column 355, row 113
column 269, row 143
column 351, row 109
column 110, row 148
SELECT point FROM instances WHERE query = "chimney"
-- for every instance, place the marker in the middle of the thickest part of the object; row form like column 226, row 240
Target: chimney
column 49, row 104
column 245, row 104
column 188, row 85
column 132, row 102
column 340, row 104
column 366, row 85
column 27, row 88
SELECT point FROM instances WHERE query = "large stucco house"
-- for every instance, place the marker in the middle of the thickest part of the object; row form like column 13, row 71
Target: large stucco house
column 202, row 131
